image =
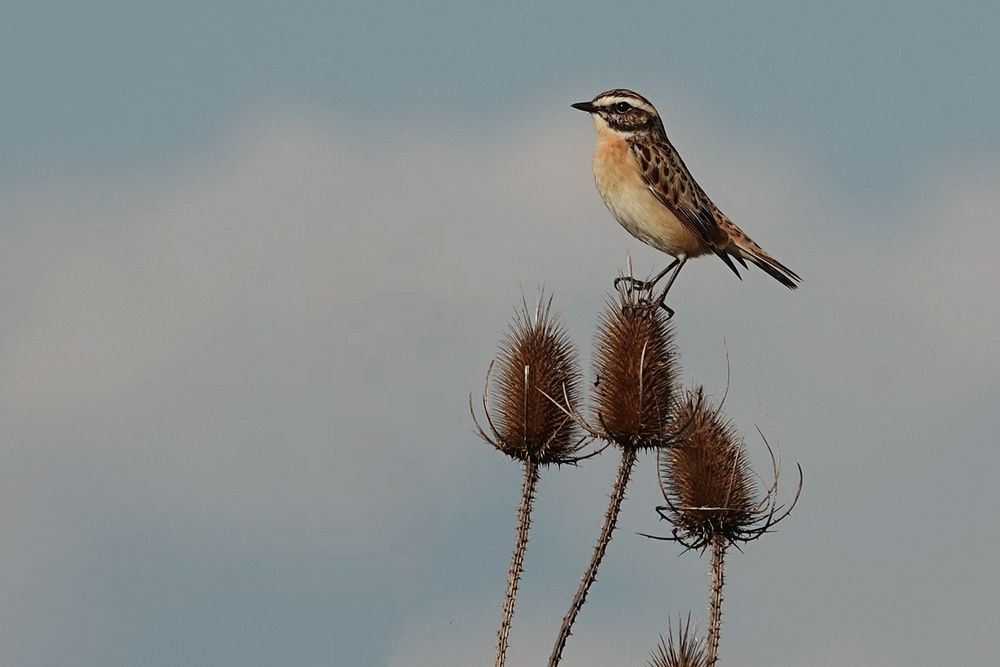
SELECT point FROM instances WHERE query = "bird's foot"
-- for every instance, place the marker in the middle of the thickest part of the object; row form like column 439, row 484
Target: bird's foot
column 647, row 306
column 633, row 284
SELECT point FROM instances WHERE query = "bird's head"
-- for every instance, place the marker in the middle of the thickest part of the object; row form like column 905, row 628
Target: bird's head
column 622, row 111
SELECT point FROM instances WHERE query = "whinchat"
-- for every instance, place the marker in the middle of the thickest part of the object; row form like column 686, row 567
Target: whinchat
column 651, row 193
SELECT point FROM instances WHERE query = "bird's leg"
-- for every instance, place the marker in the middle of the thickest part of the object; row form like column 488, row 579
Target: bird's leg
column 642, row 285
column 661, row 302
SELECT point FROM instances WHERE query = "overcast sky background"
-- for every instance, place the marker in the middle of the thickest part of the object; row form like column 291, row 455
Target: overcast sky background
column 255, row 256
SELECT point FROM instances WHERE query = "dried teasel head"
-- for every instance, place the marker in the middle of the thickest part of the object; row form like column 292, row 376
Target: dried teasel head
column 532, row 390
column 683, row 651
column 710, row 488
column 636, row 366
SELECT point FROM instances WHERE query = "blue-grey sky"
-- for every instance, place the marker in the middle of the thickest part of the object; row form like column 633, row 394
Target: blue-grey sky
column 254, row 257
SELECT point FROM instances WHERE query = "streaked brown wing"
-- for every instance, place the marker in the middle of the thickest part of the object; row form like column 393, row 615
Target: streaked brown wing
column 668, row 179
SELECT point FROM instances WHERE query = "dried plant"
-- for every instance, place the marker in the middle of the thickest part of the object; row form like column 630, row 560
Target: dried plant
column 636, row 365
column 590, row 575
column 707, row 481
column 708, row 484
column 713, row 496
column 684, row 651
column 636, row 377
column 535, row 363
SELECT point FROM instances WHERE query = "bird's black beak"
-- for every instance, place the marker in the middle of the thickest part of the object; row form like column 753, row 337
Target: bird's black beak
column 585, row 106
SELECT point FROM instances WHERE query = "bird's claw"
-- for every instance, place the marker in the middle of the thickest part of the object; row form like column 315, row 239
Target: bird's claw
column 634, row 308
column 647, row 306
column 632, row 284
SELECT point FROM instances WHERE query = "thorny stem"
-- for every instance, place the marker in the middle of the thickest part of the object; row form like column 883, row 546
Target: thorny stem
column 590, row 576
column 718, row 576
column 517, row 557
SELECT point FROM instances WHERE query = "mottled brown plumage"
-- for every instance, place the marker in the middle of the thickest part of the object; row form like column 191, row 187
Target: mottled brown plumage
column 651, row 192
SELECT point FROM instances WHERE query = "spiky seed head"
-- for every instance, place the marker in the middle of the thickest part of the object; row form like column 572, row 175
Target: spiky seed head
column 636, row 367
column 706, row 477
column 683, row 651
column 535, row 389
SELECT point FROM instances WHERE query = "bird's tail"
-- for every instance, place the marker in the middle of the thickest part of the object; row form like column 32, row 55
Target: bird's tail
column 745, row 248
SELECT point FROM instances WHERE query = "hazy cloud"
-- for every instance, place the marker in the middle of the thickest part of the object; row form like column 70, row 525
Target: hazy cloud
column 262, row 353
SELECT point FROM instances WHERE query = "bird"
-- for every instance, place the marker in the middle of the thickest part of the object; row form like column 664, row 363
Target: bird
column 650, row 192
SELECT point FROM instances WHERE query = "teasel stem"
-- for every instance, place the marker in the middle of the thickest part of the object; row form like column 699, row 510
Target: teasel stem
column 533, row 420
column 590, row 576
column 517, row 557
column 713, row 497
column 718, row 578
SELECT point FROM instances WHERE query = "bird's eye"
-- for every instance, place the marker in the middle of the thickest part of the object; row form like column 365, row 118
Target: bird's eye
column 623, row 107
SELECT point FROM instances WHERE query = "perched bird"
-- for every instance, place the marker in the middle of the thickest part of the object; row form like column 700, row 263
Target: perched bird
column 649, row 190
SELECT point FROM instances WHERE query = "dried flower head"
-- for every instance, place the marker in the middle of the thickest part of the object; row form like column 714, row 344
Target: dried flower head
column 535, row 386
column 710, row 488
column 685, row 651
column 636, row 366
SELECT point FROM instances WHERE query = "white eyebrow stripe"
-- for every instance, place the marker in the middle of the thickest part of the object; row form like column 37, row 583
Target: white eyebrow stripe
column 611, row 100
